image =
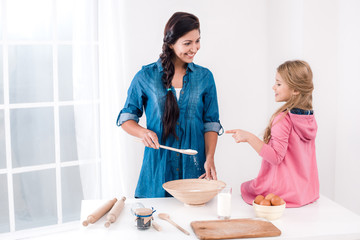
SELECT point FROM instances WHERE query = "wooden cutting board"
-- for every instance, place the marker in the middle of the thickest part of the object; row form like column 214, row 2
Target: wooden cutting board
column 234, row 228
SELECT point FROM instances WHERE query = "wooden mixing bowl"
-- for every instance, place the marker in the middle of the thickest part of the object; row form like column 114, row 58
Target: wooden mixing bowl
column 194, row 191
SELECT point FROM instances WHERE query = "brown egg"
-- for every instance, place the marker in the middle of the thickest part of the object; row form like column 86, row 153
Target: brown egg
column 258, row 199
column 276, row 200
column 282, row 201
column 269, row 196
column 265, row 202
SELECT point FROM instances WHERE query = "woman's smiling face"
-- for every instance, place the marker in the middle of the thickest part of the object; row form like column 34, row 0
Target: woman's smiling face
column 186, row 47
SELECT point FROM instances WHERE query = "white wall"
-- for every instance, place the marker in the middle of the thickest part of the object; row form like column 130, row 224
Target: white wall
column 347, row 131
column 320, row 47
column 242, row 43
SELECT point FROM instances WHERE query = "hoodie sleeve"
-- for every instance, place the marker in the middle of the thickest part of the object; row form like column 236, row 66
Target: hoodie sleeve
column 275, row 151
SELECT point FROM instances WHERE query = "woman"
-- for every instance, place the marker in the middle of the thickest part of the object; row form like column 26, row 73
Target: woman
column 180, row 103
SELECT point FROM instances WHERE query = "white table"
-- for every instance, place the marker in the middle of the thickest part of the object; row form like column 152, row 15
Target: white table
column 323, row 219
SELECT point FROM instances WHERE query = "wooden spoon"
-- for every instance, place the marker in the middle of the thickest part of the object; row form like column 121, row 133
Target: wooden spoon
column 166, row 217
column 183, row 151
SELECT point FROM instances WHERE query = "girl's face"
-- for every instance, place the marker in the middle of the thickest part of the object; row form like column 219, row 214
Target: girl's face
column 281, row 89
column 187, row 46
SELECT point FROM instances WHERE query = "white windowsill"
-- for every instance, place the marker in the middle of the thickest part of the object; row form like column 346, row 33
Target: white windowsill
column 41, row 233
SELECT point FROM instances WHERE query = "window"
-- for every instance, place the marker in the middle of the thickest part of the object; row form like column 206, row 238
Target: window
column 48, row 83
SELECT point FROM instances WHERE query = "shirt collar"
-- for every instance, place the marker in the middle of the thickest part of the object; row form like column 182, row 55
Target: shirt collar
column 190, row 66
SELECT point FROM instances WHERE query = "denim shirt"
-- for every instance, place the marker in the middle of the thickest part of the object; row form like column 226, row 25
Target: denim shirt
column 199, row 113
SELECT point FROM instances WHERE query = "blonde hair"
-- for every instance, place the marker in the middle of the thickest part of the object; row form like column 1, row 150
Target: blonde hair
column 298, row 76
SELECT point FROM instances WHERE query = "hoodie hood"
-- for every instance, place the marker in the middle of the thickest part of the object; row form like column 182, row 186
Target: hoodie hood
column 304, row 125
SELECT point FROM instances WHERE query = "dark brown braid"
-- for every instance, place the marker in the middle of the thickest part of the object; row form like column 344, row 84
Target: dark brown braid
column 178, row 25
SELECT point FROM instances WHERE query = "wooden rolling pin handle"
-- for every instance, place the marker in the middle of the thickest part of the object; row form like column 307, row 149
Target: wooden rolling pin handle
column 90, row 219
column 98, row 213
column 110, row 219
column 107, row 224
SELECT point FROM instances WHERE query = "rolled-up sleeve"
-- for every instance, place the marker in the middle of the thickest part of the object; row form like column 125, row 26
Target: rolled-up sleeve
column 133, row 108
column 211, row 108
column 123, row 117
column 213, row 127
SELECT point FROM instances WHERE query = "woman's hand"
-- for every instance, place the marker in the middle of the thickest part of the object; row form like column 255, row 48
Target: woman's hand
column 239, row 135
column 210, row 171
column 150, row 139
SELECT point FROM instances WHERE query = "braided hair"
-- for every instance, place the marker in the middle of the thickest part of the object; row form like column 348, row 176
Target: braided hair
column 178, row 25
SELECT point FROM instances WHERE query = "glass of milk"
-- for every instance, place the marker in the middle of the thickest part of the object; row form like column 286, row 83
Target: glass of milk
column 224, row 203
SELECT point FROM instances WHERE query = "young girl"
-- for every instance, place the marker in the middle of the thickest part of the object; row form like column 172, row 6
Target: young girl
column 289, row 167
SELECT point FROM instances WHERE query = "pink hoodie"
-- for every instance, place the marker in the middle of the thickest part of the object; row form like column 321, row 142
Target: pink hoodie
column 289, row 167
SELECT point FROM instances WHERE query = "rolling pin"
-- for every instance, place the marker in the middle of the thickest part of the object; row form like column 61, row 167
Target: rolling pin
column 115, row 212
column 98, row 213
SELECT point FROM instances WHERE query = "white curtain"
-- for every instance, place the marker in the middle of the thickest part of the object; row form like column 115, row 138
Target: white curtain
column 115, row 174
column 86, row 94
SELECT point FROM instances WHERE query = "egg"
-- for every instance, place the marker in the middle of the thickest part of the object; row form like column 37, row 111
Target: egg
column 265, row 202
column 271, row 200
column 258, row 199
column 276, row 200
column 269, row 196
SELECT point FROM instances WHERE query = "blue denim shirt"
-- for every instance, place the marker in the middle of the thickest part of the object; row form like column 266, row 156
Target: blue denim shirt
column 198, row 114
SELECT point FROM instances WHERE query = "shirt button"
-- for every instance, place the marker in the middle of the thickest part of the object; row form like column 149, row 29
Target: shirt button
column 182, row 92
column 178, row 154
column 177, row 169
column 177, row 123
